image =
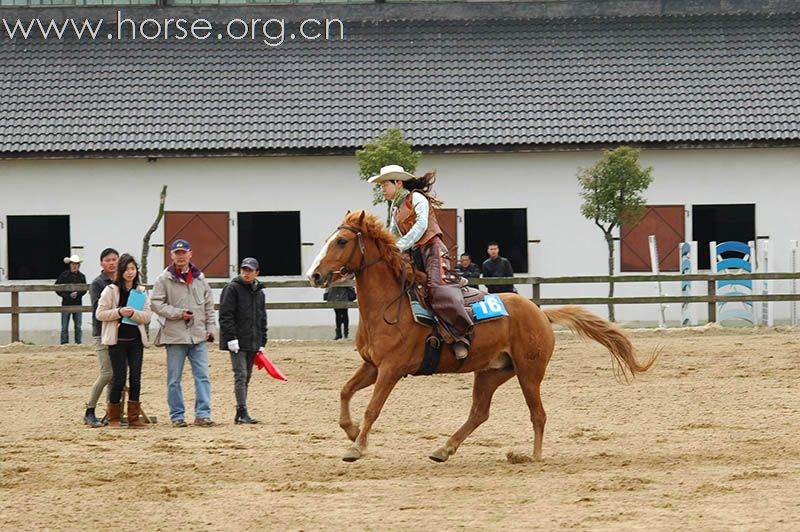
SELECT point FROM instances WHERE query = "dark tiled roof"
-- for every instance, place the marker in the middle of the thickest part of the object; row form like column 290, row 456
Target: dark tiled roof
column 451, row 83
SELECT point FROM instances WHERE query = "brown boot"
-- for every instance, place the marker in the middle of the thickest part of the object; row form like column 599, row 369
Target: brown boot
column 114, row 414
column 133, row 415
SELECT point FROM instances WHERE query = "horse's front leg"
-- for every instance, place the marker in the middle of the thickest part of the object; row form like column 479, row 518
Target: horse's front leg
column 363, row 377
column 384, row 385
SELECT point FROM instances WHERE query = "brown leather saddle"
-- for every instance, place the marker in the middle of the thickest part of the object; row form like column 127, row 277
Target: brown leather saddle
column 422, row 310
column 471, row 295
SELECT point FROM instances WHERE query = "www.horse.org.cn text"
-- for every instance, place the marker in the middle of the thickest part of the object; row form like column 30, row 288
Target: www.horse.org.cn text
column 272, row 32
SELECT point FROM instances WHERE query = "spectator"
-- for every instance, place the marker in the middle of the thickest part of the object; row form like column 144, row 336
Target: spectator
column 126, row 341
column 243, row 330
column 108, row 265
column 341, row 293
column 72, row 275
column 182, row 297
column 497, row 266
column 468, row 269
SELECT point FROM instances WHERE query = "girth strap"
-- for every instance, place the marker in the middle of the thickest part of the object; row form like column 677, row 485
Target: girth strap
column 433, row 353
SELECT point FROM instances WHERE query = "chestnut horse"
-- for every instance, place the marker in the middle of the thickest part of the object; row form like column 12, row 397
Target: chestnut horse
column 520, row 344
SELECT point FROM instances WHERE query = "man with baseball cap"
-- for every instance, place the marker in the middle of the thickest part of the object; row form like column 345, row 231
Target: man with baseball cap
column 182, row 298
column 243, row 329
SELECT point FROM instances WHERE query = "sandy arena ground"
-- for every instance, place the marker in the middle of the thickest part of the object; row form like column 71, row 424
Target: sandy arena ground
column 708, row 440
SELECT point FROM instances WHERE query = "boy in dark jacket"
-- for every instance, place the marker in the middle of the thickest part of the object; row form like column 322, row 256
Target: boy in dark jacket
column 71, row 298
column 243, row 329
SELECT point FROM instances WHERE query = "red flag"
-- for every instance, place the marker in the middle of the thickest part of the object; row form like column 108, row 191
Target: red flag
column 262, row 362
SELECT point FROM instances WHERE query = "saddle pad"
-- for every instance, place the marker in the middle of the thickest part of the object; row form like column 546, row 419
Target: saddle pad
column 490, row 307
column 421, row 315
column 425, row 316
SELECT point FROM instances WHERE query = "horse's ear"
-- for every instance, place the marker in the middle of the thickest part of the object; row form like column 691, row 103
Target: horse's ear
column 361, row 218
column 348, row 212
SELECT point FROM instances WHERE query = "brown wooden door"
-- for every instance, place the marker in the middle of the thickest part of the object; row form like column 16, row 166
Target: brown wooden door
column 666, row 222
column 208, row 234
column 447, row 219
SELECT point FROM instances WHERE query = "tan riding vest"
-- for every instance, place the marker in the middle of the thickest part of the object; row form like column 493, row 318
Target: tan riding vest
column 406, row 217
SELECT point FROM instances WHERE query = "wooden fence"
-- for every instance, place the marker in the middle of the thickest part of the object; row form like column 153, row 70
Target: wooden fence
column 711, row 298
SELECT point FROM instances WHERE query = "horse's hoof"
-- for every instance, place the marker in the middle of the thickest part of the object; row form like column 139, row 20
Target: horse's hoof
column 352, row 454
column 439, row 455
column 352, row 432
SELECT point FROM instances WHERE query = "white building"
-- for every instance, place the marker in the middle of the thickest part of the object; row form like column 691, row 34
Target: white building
column 506, row 104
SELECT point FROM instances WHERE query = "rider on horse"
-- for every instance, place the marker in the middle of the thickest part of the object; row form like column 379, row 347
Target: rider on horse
column 413, row 220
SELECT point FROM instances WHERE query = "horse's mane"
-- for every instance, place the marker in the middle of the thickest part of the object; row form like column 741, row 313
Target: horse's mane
column 384, row 239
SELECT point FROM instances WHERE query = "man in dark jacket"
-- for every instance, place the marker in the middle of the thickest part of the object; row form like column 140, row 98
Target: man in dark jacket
column 71, row 298
column 243, row 329
column 108, row 265
column 497, row 266
column 468, row 269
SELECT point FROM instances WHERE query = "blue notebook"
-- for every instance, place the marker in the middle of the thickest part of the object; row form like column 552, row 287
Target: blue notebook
column 136, row 301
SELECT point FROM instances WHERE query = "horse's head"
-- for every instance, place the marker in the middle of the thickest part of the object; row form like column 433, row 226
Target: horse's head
column 343, row 254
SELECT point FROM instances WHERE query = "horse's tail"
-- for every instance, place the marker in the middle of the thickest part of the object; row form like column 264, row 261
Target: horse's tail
column 604, row 332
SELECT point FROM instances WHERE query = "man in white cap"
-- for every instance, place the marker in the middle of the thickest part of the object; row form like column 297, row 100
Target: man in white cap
column 71, row 298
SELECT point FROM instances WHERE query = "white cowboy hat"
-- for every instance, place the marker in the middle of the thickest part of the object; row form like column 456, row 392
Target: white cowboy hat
column 393, row 172
column 73, row 258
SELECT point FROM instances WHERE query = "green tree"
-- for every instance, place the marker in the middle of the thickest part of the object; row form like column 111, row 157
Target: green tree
column 390, row 148
column 612, row 192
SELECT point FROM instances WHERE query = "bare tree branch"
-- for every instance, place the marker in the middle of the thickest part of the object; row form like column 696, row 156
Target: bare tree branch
column 149, row 233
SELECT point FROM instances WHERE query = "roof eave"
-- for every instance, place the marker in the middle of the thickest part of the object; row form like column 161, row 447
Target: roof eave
column 349, row 151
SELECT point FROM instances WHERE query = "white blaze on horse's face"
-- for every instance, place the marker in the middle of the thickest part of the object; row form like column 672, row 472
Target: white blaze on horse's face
column 324, row 251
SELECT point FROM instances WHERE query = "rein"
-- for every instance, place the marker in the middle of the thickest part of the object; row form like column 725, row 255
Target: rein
column 344, row 270
column 404, row 285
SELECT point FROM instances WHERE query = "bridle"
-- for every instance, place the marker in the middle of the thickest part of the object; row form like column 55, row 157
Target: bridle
column 345, row 271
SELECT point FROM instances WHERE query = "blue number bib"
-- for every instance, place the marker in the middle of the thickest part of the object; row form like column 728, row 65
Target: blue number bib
column 491, row 307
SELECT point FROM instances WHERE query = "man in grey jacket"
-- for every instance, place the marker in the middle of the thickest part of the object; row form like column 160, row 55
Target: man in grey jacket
column 182, row 298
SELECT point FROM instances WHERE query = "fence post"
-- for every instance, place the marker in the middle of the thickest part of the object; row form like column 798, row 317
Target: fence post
column 14, row 317
column 537, row 291
column 793, row 263
column 655, row 266
column 712, row 305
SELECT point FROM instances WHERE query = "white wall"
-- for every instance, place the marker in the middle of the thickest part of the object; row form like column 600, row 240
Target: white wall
column 101, row 215
column 546, row 184
column 323, row 188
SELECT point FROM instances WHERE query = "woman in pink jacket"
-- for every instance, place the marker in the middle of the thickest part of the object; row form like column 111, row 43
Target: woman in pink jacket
column 126, row 342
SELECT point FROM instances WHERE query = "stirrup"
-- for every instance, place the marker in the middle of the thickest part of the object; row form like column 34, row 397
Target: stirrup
column 460, row 350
